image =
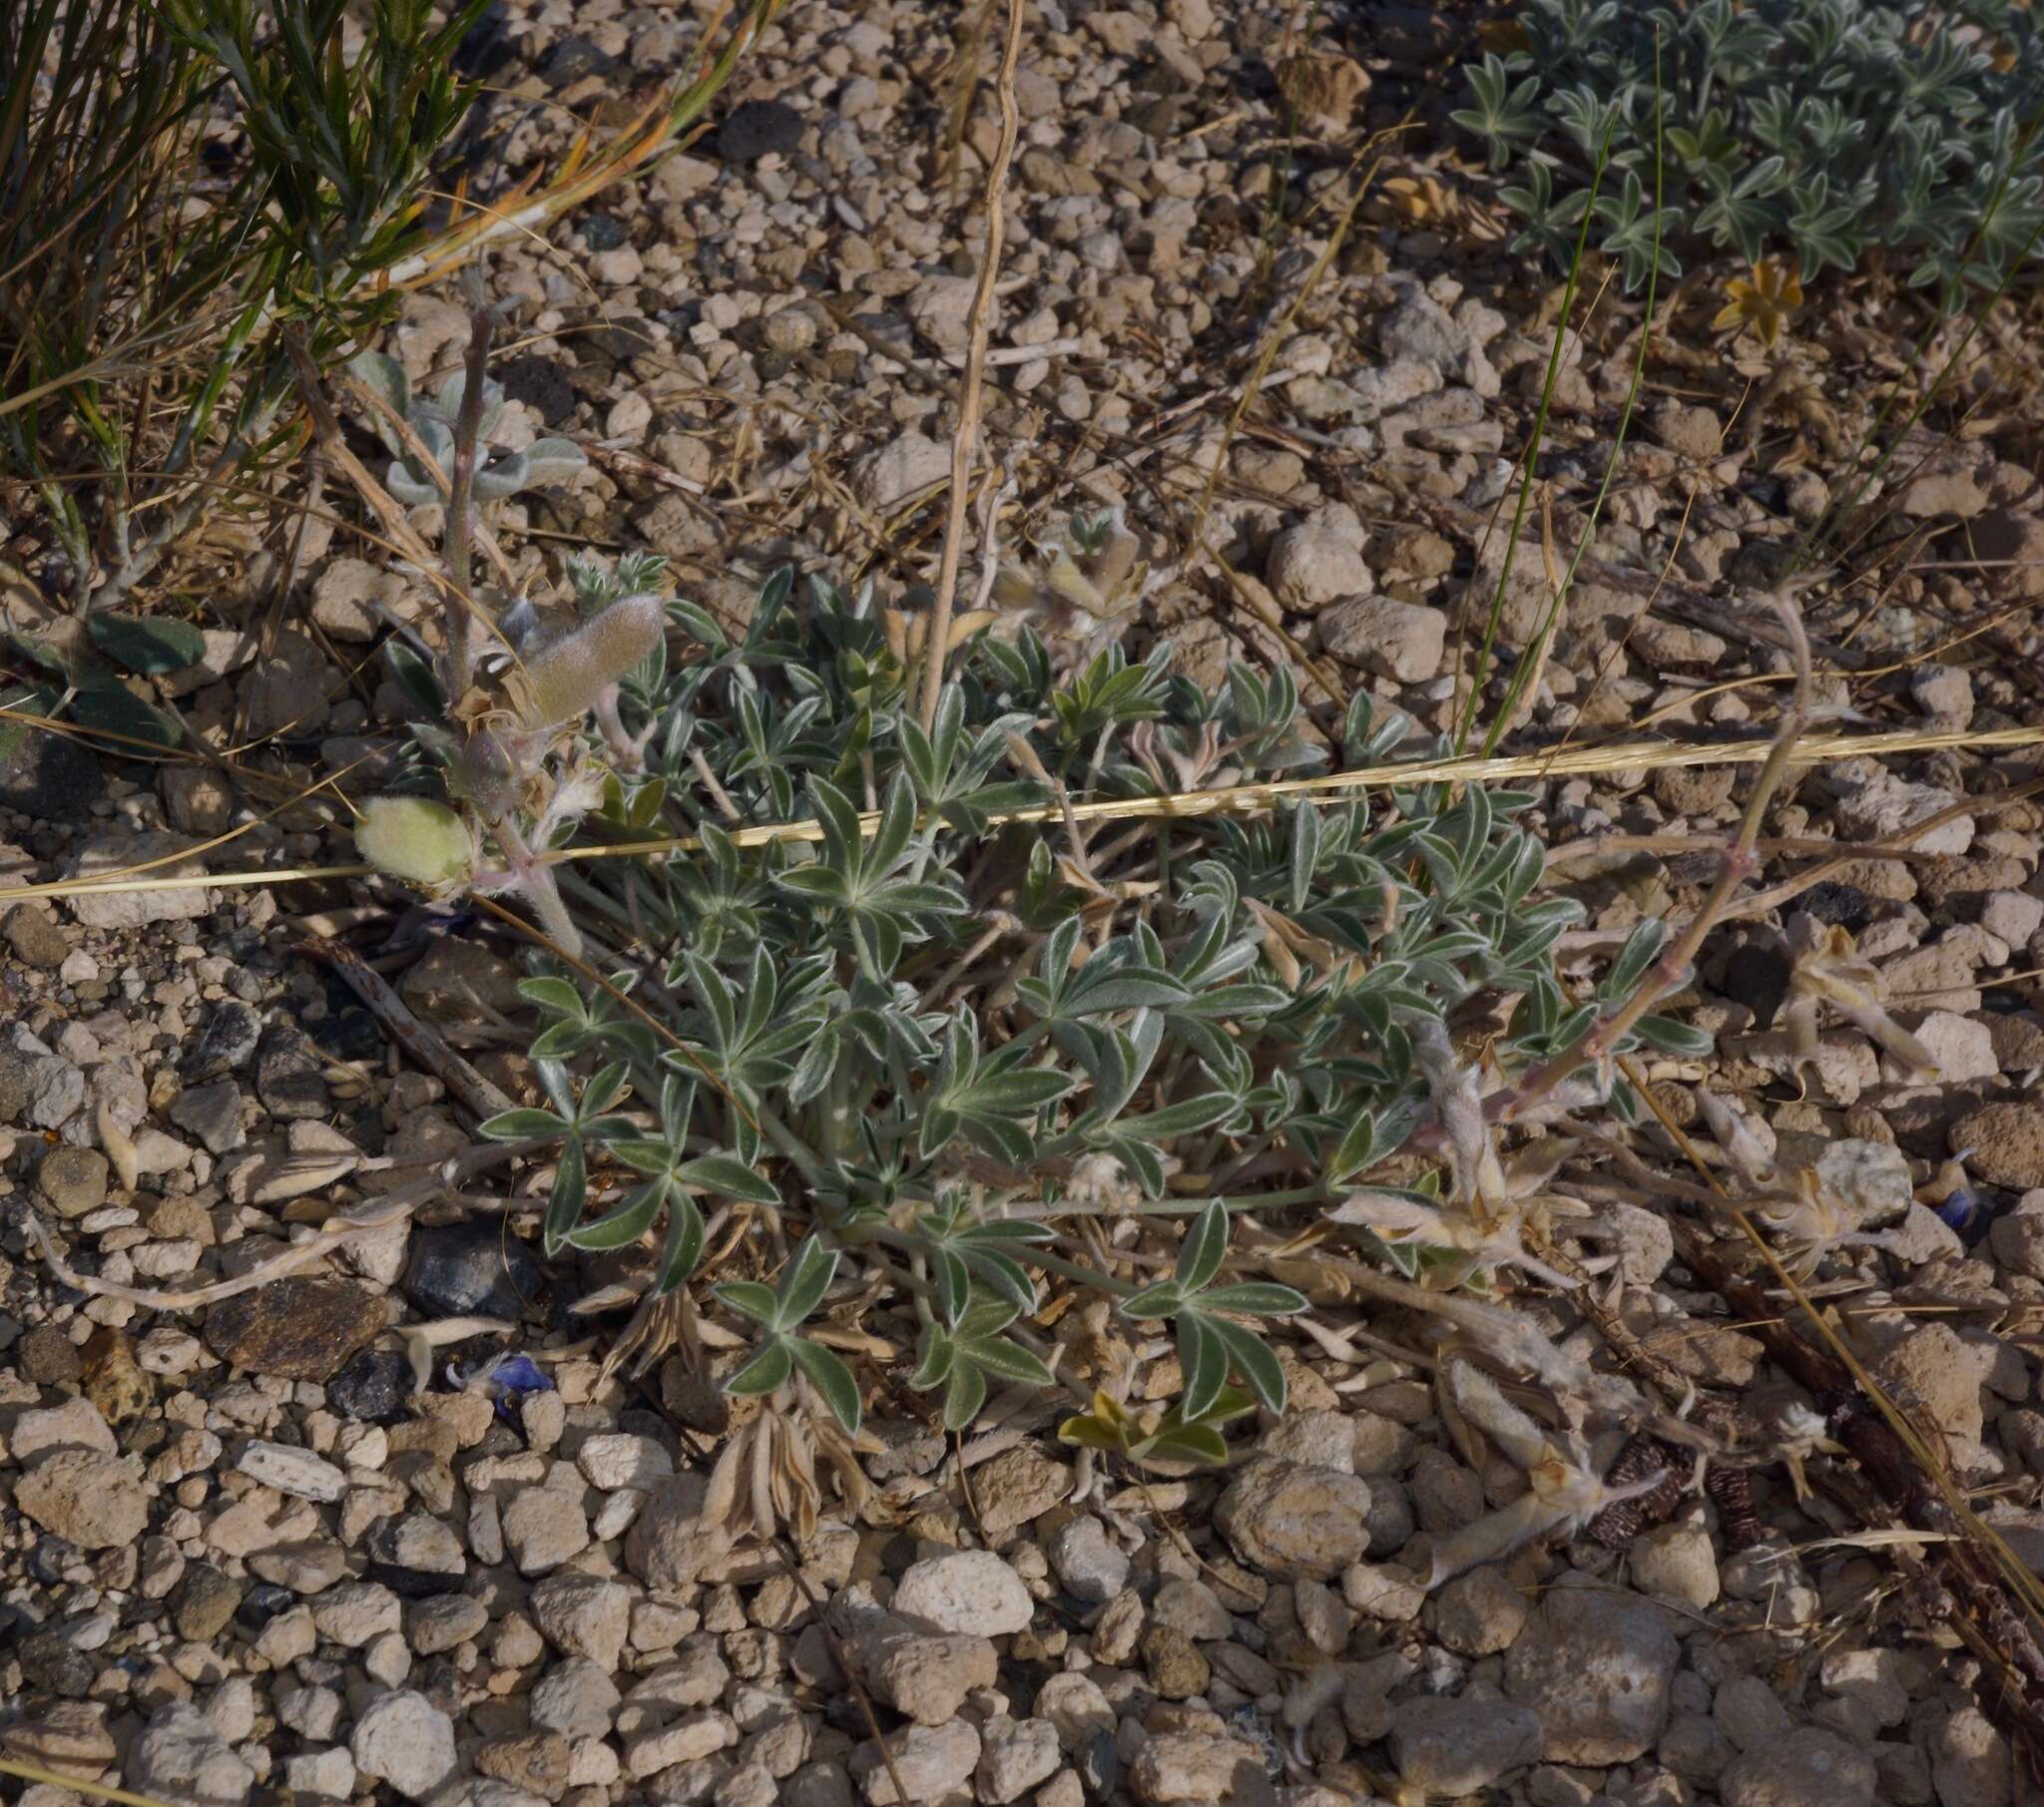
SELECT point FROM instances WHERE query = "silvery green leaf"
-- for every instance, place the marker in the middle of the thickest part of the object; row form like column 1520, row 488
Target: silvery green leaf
column 407, row 489
column 766, row 1373
column 552, row 461
column 385, row 376
column 503, row 475
column 831, row 1378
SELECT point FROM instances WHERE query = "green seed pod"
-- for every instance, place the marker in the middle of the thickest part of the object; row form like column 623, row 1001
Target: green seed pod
column 564, row 681
column 417, row 839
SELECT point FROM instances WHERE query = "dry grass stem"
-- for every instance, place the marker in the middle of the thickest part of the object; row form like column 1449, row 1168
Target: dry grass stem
column 1250, row 799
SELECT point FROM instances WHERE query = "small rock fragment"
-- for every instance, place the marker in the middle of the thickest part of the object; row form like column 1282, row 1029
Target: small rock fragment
column 971, row 1591
column 402, row 1739
column 86, row 1496
column 181, row 1757
column 1293, row 1520
column 1464, row 1744
column 294, row 1327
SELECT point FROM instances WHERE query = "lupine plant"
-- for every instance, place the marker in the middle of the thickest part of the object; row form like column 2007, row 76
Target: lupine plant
column 966, row 1019
column 1815, row 131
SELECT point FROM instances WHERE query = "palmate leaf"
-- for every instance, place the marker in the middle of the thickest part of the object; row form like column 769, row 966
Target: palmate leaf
column 966, row 1359
column 1211, row 1345
column 1177, row 1437
column 1505, row 115
column 991, row 1252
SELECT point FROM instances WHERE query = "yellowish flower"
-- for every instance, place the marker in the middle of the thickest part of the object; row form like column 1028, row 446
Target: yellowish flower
column 1762, row 302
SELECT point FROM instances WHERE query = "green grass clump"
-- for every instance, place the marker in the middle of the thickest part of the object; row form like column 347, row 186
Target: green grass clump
column 182, row 185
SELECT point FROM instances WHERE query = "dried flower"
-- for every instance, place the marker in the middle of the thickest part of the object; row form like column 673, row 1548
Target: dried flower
column 1829, row 969
column 1562, row 1489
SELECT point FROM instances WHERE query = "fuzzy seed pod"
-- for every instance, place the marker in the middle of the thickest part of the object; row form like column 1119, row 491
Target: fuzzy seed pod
column 416, row 839
column 563, row 683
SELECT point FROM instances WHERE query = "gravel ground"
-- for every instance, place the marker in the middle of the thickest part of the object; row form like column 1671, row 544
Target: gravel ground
column 240, row 1556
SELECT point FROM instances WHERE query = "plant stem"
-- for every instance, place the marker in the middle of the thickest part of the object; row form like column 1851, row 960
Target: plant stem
column 1036, row 1212
column 468, row 432
column 966, row 439
column 1553, row 357
column 1740, row 862
column 1086, row 1276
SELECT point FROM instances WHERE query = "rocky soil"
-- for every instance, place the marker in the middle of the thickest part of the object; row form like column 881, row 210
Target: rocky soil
column 244, row 1554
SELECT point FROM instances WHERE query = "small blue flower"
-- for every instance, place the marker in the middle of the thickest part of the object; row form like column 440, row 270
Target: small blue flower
column 507, row 1379
column 1959, row 1211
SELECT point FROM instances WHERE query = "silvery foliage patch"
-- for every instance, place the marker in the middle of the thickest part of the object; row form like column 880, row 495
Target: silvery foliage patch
column 1815, row 130
column 944, row 1039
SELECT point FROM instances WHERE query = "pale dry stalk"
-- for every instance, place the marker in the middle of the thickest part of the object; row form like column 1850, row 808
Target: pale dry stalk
column 965, row 441
column 468, row 434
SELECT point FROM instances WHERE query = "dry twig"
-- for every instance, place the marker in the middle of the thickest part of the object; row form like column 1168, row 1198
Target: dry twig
column 965, row 441
column 342, row 1227
column 1597, row 1043
column 421, row 1041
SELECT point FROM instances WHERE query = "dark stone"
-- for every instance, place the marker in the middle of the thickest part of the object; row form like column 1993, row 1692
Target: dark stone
column 1847, row 906
column 347, row 1032
column 374, row 1388
column 262, row 1604
column 50, row 778
column 757, row 129
column 680, row 318
column 602, row 233
column 290, row 1076
column 1757, row 977
column 573, row 58
column 1100, row 1766
column 49, row 1357
column 35, row 939
column 224, row 1042
column 541, row 383
column 297, row 1327
column 406, row 1583
column 49, row 1661
column 463, row 1270
column 50, row 1557
column 203, row 1601
column 213, row 1112
column 607, row 346
column 485, row 50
